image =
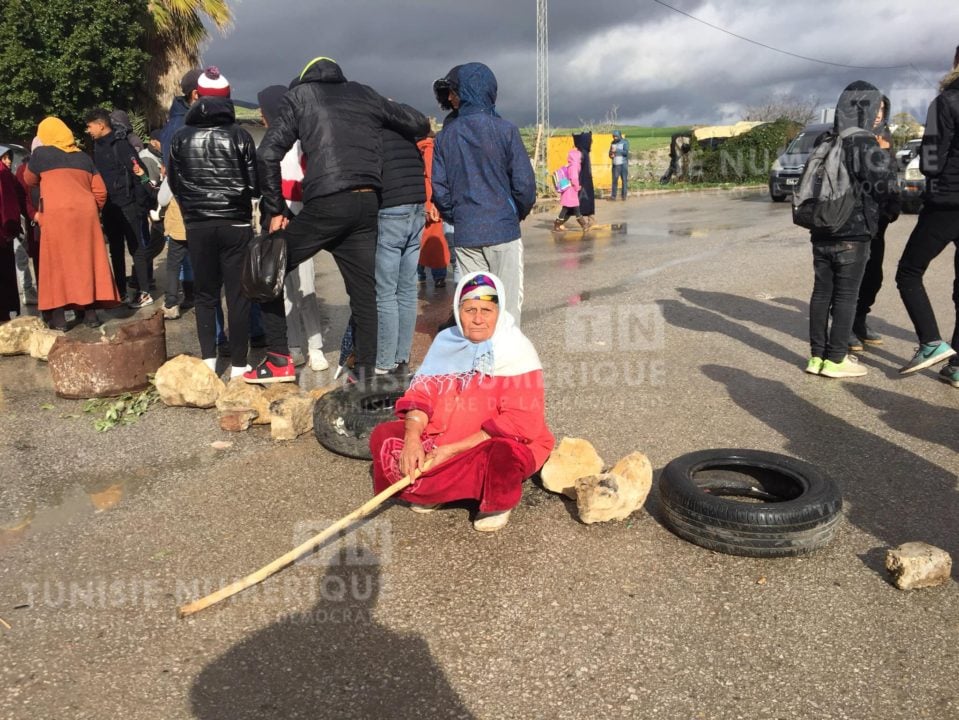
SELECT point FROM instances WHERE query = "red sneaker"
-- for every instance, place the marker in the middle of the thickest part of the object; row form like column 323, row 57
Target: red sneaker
column 274, row 368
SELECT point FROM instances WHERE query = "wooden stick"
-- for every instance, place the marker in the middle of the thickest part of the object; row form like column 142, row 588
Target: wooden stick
column 281, row 562
column 5, row 624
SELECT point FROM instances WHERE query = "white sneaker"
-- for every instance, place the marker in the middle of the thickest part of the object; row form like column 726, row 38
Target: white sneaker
column 491, row 522
column 238, row 371
column 210, row 363
column 423, row 509
column 318, row 361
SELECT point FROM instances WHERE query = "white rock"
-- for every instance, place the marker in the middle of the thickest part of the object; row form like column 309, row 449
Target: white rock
column 573, row 459
column 15, row 335
column 186, row 381
column 915, row 565
column 617, row 494
column 291, row 417
column 40, row 342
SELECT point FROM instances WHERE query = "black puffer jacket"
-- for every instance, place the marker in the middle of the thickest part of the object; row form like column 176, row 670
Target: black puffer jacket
column 213, row 172
column 114, row 158
column 338, row 124
column 939, row 156
column 869, row 166
column 404, row 177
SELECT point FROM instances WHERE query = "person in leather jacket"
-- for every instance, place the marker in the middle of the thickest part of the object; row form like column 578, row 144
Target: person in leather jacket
column 213, row 175
column 338, row 124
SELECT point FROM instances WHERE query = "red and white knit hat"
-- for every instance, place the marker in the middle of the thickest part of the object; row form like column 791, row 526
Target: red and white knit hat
column 212, row 83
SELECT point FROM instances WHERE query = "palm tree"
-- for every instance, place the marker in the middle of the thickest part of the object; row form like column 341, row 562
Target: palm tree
column 174, row 37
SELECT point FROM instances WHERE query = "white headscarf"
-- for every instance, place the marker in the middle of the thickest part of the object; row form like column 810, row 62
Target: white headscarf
column 453, row 356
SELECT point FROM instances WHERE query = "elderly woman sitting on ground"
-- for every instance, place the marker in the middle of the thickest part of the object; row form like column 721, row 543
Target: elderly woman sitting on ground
column 475, row 408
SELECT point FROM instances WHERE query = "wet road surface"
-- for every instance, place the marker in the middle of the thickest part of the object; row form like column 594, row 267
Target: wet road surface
column 687, row 331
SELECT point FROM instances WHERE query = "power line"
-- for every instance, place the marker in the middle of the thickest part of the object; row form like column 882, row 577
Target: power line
column 784, row 52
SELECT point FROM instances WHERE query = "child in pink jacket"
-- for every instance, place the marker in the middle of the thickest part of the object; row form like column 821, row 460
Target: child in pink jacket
column 569, row 198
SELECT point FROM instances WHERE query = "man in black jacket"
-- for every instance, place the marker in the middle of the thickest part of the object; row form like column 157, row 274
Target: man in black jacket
column 123, row 215
column 338, row 124
column 213, row 176
column 937, row 227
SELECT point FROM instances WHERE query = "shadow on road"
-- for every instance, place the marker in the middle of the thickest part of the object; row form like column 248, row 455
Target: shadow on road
column 699, row 319
column 335, row 661
column 894, row 494
column 912, row 416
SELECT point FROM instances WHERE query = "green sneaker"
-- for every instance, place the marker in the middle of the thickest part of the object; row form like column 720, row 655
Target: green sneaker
column 814, row 366
column 928, row 355
column 950, row 374
column 849, row 367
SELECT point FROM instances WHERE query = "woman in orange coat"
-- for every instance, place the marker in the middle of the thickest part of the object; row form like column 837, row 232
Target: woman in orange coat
column 74, row 269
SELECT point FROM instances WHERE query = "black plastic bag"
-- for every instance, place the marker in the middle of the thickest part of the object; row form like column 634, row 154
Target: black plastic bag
column 264, row 268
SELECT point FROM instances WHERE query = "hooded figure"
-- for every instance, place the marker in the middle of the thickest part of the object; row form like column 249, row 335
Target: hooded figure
column 587, row 198
column 483, row 181
column 123, row 128
column 868, row 164
column 476, row 407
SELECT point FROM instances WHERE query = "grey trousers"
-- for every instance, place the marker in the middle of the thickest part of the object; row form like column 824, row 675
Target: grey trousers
column 506, row 262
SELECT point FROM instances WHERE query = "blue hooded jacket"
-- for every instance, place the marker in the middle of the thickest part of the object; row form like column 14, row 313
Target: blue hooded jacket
column 483, row 181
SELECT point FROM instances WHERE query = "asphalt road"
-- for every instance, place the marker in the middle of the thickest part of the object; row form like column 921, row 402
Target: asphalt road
column 687, row 332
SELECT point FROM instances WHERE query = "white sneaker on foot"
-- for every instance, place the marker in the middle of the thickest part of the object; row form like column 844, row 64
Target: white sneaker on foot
column 318, row 361
column 491, row 522
column 238, row 371
column 210, row 363
column 423, row 509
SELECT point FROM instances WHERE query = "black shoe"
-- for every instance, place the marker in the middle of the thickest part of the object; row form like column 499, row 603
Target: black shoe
column 402, row 369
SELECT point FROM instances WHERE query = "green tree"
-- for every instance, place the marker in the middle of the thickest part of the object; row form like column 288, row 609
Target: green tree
column 177, row 31
column 61, row 57
column 907, row 128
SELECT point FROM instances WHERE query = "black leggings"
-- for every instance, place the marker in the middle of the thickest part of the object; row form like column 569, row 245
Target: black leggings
column 565, row 212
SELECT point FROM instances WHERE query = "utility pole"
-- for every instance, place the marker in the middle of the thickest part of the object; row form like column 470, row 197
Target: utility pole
column 542, row 87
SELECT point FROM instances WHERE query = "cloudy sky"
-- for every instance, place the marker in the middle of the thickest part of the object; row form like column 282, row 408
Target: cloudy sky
column 656, row 65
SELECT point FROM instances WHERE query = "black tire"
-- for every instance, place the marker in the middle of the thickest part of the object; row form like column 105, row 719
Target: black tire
column 777, row 198
column 344, row 418
column 799, row 512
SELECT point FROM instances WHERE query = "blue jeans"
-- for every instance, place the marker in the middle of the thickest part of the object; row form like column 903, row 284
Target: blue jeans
column 839, row 268
column 620, row 173
column 397, row 253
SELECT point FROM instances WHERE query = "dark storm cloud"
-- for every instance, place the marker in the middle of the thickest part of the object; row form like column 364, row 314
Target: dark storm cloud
column 657, row 66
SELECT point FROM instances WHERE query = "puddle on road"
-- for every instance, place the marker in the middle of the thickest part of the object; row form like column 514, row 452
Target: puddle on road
column 90, row 495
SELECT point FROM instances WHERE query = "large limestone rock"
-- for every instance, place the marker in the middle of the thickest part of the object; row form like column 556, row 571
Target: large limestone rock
column 915, row 565
column 41, row 341
column 15, row 335
column 186, row 381
column 268, row 397
column 291, row 417
column 617, row 494
column 573, row 459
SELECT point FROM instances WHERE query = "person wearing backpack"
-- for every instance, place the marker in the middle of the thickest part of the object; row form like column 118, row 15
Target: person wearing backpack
column 843, row 186
column 937, row 227
column 569, row 193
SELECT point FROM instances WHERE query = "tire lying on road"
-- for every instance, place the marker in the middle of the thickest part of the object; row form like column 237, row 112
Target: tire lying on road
column 344, row 418
column 798, row 508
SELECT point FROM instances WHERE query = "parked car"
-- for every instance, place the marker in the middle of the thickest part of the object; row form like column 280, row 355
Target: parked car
column 908, row 152
column 912, row 187
column 787, row 168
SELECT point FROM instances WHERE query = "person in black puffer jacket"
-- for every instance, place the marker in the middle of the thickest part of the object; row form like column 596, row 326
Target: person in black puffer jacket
column 937, row 227
column 213, row 175
column 338, row 124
